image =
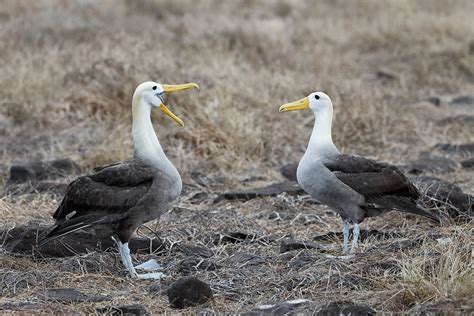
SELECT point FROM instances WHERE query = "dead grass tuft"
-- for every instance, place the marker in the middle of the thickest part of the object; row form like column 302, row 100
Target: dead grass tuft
column 444, row 269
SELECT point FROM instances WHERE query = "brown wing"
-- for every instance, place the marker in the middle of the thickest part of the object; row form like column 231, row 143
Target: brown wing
column 371, row 178
column 113, row 189
column 384, row 186
column 123, row 174
column 354, row 164
column 389, row 181
column 103, row 197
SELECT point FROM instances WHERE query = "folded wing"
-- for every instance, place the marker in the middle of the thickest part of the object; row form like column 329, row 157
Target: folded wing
column 383, row 185
column 103, row 197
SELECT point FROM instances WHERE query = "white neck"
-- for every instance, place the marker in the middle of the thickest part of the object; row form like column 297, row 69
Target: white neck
column 146, row 144
column 320, row 142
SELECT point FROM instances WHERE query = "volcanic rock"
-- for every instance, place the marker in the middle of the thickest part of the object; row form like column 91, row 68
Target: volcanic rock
column 188, row 291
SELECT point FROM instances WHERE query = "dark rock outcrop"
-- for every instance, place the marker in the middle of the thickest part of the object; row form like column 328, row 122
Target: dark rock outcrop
column 466, row 149
column 289, row 171
column 68, row 295
column 271, row 190
column 468, row 163
column 41, row 170
column 188, row 291
column 438, row 193
column 23, row 240
column 427, row 163
column 290, row 244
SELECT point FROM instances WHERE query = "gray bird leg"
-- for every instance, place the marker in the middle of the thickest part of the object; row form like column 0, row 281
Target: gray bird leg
column 149, row 265
column 345, row 233
column 126, row 258
column 355, row 237
column 127, row 262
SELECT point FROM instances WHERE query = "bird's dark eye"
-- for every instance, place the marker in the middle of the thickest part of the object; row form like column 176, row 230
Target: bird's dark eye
column 316, row 97
column 154, row 87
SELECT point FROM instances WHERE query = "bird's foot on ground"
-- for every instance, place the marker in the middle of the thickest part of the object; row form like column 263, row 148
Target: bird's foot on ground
column 343, row 257
column 149, row 265
column 151, row 275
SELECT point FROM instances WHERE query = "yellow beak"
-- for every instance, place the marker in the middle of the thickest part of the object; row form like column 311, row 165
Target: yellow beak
column 302, row 104
column 171, row 114
column 169, row 88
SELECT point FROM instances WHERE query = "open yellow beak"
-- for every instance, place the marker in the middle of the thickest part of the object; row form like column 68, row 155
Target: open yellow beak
column 167, row 111
column 302, row 104
column 169, row 88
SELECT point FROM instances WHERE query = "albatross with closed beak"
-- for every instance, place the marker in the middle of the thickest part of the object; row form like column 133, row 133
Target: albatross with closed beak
column 354, row 186
column 122, row 196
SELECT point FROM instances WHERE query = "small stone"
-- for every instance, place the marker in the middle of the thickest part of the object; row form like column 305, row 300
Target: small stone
column 434, row 100
column 232, row 237
column 432, row 164
column 468, row 163
column 41, row 170
column 465, row 149
column 385, row 74
column 463, row 100
column 290, row 244
column 188, row 291
column 345, row 308
column 19, row 173
column 270, row 190
column 289, row 171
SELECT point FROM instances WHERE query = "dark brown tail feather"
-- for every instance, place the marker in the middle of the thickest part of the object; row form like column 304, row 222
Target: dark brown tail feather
column 407, row 205
column 67, row 227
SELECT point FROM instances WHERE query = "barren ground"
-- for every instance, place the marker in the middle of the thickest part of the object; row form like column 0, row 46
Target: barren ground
column 393, row 70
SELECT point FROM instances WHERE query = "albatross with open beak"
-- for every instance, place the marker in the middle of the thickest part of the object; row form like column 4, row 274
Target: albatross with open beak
column 355, row 187
column 122, row 196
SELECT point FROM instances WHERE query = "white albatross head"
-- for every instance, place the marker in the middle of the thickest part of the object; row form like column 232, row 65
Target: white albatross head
column 152, row 93
column 317, row 102
column 321, row 137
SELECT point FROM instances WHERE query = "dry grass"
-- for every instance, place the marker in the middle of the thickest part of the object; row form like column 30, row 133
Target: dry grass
column 73, row 67
column 444, row 269
column 69, row 70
